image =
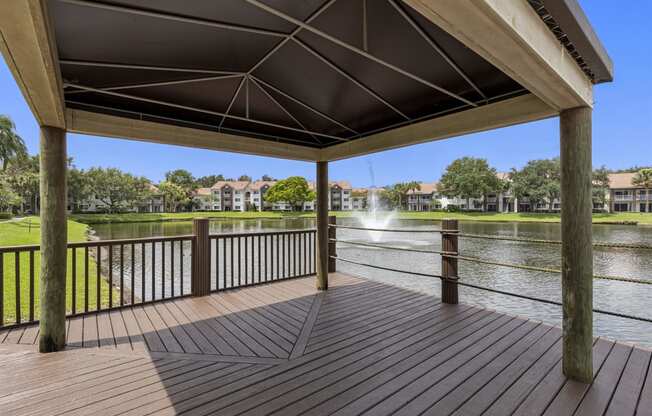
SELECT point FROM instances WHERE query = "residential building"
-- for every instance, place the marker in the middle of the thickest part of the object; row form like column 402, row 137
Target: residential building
column 423, row 199
column 627, row 197
column 202, row 199
column 359, row 199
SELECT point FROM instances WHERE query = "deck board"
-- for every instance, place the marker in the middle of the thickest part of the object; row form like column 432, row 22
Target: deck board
column 283, row 348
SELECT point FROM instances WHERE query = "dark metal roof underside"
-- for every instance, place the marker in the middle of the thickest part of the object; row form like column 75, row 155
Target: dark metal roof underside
column 313, row 72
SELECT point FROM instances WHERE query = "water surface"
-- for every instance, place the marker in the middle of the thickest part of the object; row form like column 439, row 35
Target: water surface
column 629, row 298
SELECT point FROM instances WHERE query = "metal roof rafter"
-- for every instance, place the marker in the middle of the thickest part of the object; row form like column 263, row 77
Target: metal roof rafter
column 235, row 96
column 283, row 108
column 436, row 47
column 349, row 77
column 174, row 17
column 301, row 103
column 160, row 84
column 145, row 67
column 200, row 110
column 356, row 50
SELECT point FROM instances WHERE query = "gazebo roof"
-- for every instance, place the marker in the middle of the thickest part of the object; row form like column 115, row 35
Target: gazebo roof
column 312, row 80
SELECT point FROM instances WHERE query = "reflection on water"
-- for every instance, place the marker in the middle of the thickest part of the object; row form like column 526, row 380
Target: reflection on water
column 610, row 295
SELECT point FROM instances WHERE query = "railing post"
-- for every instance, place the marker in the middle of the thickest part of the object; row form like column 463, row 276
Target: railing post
column 332, row 245
column 448, row 263
column 200, row 283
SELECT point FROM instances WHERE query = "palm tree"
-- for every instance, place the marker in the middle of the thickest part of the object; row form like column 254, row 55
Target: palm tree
column 643, row 178
column 11, row 145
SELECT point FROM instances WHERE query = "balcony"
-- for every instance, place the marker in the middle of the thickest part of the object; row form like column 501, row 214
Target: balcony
column 623, row 197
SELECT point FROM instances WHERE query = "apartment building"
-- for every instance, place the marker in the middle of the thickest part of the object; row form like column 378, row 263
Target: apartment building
column 424, row 198
column 245, row 196
column 359, row 199
column 626, row 197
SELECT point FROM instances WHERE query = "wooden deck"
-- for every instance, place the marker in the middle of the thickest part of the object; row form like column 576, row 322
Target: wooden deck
column 284, row 349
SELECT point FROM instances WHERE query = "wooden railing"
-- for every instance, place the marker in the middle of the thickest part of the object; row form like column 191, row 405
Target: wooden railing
column 252, row 258
column 111, row 274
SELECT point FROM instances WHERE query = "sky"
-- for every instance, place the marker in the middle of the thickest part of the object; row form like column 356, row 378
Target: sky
column 622, row 126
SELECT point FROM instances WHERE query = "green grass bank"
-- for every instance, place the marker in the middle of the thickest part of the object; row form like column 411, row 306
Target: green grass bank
column 27, row 232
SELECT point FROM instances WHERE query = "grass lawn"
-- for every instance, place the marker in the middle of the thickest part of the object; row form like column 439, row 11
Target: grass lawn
column 27, row 232
column 616, row 218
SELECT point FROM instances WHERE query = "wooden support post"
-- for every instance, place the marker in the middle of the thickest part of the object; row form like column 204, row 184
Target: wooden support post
column 54, row 239
column 322, row 225
column 332, row 245
column 449, row 264
column 201, row 258
column 576, row 248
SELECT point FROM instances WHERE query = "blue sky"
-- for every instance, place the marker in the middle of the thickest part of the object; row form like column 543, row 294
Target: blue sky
column 622, row 125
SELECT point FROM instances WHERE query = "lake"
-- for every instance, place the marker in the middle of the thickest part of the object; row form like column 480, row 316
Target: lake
column 623, row 297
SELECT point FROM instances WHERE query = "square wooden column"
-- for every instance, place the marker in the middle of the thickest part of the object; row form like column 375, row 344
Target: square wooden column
column 54, row 239
column 322, row 225
column 577, row 249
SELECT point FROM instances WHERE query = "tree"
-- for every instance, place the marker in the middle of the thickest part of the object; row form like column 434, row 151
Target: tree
column 245, row 178
column 267, row 178
column 600, row 185
column 468, row 178
column 79, row 189
column 208, row 181
column 539, row 182
column 174, row 195
column 11, row 144
column 643, row 178
column 396, row 195
column 293, row 190
column 183, row 178
column 22, row 175
column 8, row 198
column 116, row 189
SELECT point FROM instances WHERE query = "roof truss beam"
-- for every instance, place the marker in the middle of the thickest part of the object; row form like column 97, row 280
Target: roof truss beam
column 511, row 36
column 356, row 50
column 146, row 67
column 436, row 47
column 200, row 110
column 173, row 17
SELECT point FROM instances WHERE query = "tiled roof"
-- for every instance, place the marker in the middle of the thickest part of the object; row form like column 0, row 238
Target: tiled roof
column 203, row 191
column 621, row 180
column 426, row 189
column 233, row 184
column 259, row 184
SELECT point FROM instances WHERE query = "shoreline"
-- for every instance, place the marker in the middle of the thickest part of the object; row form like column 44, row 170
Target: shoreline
column 630, row 219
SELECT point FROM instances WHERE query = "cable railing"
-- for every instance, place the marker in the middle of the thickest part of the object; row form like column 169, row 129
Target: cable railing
column 450, row 257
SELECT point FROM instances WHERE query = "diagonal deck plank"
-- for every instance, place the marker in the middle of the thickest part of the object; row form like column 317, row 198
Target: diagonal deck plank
column 283, row 348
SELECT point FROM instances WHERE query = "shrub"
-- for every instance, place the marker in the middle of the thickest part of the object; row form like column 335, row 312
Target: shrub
column 6, row 215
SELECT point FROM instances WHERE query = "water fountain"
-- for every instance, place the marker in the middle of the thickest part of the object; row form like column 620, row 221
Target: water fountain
column 375, row 216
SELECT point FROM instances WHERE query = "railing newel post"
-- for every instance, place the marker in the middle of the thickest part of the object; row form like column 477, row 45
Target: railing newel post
column 449, row 245
column 201, row 257
column 332, row 244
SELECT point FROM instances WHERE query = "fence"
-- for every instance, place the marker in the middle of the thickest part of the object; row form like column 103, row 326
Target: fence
column 450, row 255
column 110, row 274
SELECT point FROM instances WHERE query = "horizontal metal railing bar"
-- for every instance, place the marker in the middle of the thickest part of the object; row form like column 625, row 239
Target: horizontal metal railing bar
column 263, row 233
column 501, row 292
column 544, row 269
column 386, row 247
column 390, row 230
column 596, row 244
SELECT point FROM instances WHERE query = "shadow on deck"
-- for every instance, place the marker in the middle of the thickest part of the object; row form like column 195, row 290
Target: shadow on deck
column 283, row 348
